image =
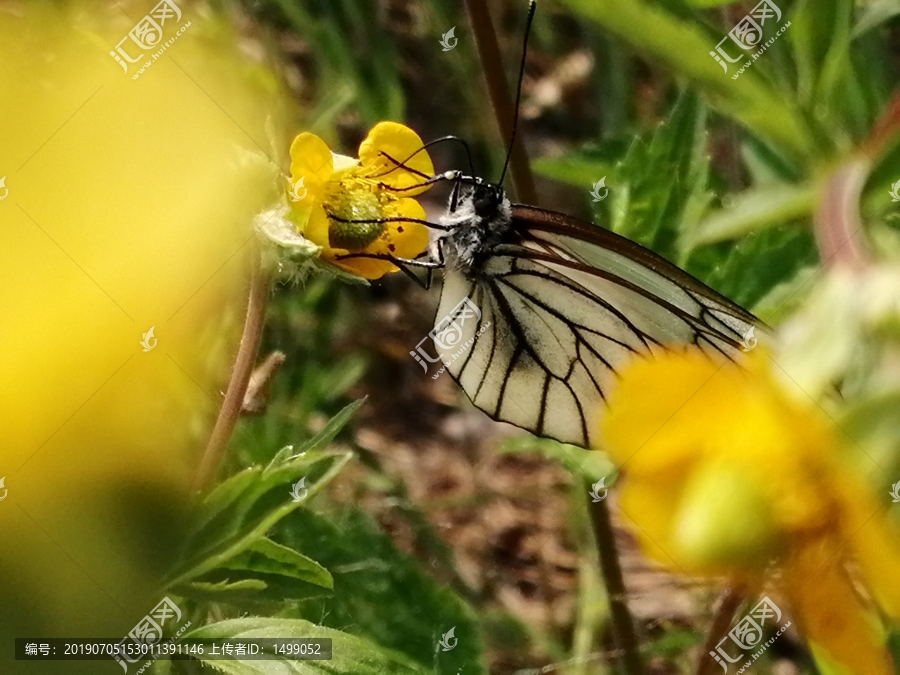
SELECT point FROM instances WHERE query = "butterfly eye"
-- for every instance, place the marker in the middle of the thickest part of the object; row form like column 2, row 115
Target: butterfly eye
column 485, row 205
column 482, row 207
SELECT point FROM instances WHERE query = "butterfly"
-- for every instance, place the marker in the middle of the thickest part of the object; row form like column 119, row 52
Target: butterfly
column 538, row 310
column 548, row 307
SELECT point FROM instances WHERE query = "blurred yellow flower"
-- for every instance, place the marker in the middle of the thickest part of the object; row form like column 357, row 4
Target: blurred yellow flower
column 130, row 207
column 340, row 203
column 727, row 475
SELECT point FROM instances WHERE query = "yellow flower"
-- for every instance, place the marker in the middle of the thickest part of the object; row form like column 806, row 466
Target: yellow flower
column 727, row 475
column 340, row 203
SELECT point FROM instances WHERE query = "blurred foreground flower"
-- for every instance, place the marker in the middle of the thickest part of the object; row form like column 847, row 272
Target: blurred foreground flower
column 727, row 475
column 344, row 205
column 848, row 331
column 130, row 209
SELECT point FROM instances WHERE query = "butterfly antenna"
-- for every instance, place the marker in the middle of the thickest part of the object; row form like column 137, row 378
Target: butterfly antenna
column 531, row 8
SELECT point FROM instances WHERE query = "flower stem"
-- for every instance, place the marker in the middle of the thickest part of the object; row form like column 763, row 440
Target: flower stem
column 504, row 108
column 837, row 220
column 623, row 624
column 728, row 605
column 885, row 133
column 240, row 379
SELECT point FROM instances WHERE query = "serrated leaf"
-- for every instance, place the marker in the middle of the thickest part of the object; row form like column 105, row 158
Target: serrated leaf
column 265, row 502
column 650, row 211
column 243, row 486
column 351, row 655
column 685, row 46
column 240, row 511
column 373, row 586
column 745, row 271
column 268, row 557
column 318, row 442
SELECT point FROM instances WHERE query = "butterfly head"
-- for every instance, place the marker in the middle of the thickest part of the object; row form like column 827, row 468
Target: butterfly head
column 477, row 220
column 487, row 200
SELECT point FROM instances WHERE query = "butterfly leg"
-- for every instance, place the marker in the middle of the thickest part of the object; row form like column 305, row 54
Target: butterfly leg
column 429, row 275
column 403, row 263
column 395, row 219
column 454, row 195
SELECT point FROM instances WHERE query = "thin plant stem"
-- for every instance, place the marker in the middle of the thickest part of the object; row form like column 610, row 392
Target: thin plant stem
column 504, row 109
column 728, row 604
column 592, row 607
column 240, row 379
column 611, row 570
column 837, row 220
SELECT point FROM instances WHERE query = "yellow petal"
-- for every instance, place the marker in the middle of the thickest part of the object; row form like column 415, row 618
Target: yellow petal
column 649, row 507
column 877, row 548
column 649, row 428
column 399, row 142
column 408, row 239
column 367, row 268
column 316, row 229
column 830, row 614
column 311, row 163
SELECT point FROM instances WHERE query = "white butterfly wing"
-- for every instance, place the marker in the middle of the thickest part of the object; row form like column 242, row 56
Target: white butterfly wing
column 560, row 310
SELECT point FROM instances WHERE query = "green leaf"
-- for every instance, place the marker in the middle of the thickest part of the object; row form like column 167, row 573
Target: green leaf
column 351, row 655
column 651, row 209
column 385, row 595
column 874, row 14
column 746, row 271
column 755, row 209
column 268, row 557
column 242, row 510
column 810, row 37
column 584, row 166
column 222, row 591
column 266, row 502
column 641, row 206
column 786, row 297
column 322, row 439
column 265, row 573
column 686, row 47
column 711, row 3
column 821, row 39
column 242, row 486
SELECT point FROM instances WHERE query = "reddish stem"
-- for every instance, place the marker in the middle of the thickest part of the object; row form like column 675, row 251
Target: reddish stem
column 240, row 379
